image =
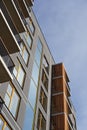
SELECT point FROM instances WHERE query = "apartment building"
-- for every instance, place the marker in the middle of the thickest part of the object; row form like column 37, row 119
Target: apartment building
column 34, row 91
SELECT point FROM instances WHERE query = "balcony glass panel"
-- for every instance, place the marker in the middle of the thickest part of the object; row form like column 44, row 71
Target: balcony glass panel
column 6, row 57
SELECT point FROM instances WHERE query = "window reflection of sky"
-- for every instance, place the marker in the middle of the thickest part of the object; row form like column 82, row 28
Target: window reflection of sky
column 28, row 118
column 28, row 121
column 35, row 73
column 37, row 57
column 32, row 93
column 39, row 45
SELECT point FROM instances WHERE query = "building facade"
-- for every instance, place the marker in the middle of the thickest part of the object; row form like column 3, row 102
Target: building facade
column 30, row 96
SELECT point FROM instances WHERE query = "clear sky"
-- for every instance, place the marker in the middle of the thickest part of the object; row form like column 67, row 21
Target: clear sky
column 64, row 24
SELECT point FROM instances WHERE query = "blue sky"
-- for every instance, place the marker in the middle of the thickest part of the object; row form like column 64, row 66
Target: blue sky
column 64, row 24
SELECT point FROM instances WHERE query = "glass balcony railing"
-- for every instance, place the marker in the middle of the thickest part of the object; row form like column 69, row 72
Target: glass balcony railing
column 30, row 2
column 20, row 12
column 7, row 33
column 1, row 103
column 71, row 123
column 14, row 14
column 71, row 106
column 6, row 64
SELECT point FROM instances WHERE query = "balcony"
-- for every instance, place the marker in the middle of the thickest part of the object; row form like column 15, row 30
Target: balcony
column 30, row 2
column 72, row 109
column 15, row 16
column 7, row 35
column 23, row 7
column 6, row 64
column 8, row 18
column 1, row 103
column 71, row 122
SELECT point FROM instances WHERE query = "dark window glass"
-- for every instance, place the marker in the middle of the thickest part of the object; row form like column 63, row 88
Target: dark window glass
column 46, row 65
column 45, row 80
column 41, row 124
column 43, row 99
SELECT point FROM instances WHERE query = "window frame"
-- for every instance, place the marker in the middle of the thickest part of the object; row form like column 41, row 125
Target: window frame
column 45, row 60
column 17, row 69
column 4, row 123
column 11, row 99
column 22, row 52
column 26, row 35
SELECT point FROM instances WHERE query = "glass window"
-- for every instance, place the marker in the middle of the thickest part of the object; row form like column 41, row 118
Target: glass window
column 19, row 74
column 41, row 124
column 6, row 128
column 12, row 100
column 32, row 27
column 28, row 120
column 46, row 65
column 32, row 93
column 44, row 80
column 3, row 124
column 24, row 52
column 28, row 39
column 35, row 73
column 37, row 57
column 43, row 99
column 14, row 104
column 7, row 100
column 39, row 45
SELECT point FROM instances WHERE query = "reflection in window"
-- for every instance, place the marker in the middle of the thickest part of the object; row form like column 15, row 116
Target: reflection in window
column 46, row 65
column 39, row 45
column 32, row 94
column 45, row 80
column 28, row 120
column 41, row 124
column 35, row 73
column 31, row 26
column 43, row 99
column 28, row 39
column 38, row 57
column 3, row 124
column 12, row 100
column 24, row 52
column 19, row 74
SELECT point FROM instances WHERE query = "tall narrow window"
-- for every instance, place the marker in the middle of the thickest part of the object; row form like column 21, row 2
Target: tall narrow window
column 43, row 99
column 46, row 65
column 45, row 80
column 31, row 26
column 41, row 124
column 28, row 39
column 19, row 74
column 12, row 99
column 24, row 52
column 3, row 124
column 28, row 119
